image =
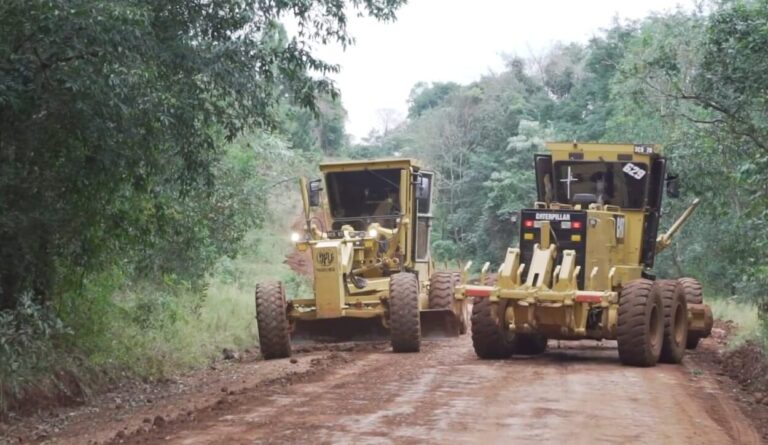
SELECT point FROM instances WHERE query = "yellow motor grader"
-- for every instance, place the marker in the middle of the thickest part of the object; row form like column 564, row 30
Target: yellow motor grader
column 583, row 266
column 371, row 263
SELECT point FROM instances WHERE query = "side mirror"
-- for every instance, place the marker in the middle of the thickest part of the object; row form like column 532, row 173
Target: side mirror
column 422, row 187
column 673, row 186
column 313, row 192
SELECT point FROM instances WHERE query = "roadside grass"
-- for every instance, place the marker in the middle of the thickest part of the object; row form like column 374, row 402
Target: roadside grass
column 744, row 315
column 196, row 328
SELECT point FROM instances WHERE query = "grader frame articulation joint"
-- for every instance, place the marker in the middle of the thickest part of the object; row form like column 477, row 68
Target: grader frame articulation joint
column 372, row 269
column 583, row 267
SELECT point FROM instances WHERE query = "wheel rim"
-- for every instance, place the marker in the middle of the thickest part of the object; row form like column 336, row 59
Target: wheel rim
column 655, row 328
column 679, row 328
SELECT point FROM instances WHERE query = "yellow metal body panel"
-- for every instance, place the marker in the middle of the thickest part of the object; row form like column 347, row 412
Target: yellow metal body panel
column 373, row 164
column 613, row 239
column 328, row 259
column 560, row 151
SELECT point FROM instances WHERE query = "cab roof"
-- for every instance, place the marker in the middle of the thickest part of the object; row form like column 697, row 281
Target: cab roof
column 602, row 151
column 370, row 164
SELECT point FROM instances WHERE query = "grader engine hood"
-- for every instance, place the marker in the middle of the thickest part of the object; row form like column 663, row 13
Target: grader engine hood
column 332, row 259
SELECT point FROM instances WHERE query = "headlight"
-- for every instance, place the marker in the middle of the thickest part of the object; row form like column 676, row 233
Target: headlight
column 373, row 233
column 295, row 237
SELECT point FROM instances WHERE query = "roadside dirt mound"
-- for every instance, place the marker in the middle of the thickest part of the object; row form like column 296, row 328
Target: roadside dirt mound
column 741, row 371
column 748, row 365
column 62, row 388
column 134, row 410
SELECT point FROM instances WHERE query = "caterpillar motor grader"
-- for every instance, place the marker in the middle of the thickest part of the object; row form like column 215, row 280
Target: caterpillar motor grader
column 372, row 270
column 583, row 268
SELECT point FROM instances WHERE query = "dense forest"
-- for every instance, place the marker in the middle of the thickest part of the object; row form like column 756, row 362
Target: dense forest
column 141, row 143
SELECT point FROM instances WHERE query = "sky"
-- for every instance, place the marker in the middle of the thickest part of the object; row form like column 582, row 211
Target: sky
column 459, row 41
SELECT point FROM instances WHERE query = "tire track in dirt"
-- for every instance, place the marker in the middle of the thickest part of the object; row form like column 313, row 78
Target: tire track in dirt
column 721, row 406
column 575, row 394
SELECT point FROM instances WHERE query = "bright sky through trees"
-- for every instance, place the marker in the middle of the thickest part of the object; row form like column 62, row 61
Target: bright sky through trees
column 458, row 40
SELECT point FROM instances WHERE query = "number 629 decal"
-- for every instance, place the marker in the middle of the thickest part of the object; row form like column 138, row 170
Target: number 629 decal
column 633, row 170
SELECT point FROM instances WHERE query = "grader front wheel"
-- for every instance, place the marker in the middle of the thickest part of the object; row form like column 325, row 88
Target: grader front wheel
column 272, row 320
column 404, row 322
column 640, row 329
column 489, row 338
column 441, row 286
column 455, row 319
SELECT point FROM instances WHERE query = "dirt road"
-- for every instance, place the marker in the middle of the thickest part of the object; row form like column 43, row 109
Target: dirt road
column 577, row 393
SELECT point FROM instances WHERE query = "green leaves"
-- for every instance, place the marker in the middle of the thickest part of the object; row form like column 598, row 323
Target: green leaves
column 114, row 118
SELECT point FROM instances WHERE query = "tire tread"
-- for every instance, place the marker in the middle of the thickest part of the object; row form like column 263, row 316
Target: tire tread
column 272, row 320
column 632, row 332
column 404, row 321
column 488, row 338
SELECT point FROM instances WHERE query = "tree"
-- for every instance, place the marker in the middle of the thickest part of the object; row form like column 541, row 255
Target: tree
column 322, row 130
column 425, row 96
column 686, row 82
column 389, row 119
column 113, row 115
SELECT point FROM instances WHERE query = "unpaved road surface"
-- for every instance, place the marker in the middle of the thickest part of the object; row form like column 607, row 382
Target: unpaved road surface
column 576, row 393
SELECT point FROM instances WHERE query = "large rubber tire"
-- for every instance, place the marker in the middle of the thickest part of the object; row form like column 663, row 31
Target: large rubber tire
column 489, row 338
column 404, row 321
column 675, row 321
column 441, row 286
column 640, row 329
column 272, row 320
column 691, row 289
column 530, row 344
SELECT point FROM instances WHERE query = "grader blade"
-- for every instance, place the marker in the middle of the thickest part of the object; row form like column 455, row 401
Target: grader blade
column 439, row 323
column 336, row 330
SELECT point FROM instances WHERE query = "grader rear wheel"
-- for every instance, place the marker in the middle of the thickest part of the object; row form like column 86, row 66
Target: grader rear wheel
column 404, row 322
column 691, row 289
column 640, row 329
column 272, row 320
column 441, row 286
column 441, row 297
column 489, row 338
column 675, row 321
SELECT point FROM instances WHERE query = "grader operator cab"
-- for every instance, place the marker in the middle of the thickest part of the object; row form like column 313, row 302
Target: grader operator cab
column 583, row 266
column 372, row 269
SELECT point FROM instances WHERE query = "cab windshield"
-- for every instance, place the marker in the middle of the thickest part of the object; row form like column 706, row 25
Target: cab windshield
column 616, row 183
column 359, row 198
